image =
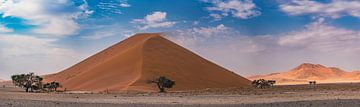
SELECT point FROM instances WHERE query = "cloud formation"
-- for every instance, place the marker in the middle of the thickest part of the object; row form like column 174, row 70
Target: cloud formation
column 124, row 3
column 318, row 42
column 49, row 17
column 23, row 53
column 243, row 9
column 154, row 20
column 322, row 37
column 4, row 29
column 103, row 32
column 110, row 7
column 333, row 9
column 37, row 50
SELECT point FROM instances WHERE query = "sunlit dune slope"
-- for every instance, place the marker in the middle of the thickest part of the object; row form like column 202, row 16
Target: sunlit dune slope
column 130, row 64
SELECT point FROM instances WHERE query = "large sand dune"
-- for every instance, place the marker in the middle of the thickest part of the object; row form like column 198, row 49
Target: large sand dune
column 130, row 64
column 311, row 72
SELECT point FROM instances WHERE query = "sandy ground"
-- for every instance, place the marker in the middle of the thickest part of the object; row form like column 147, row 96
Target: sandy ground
column 322, row 95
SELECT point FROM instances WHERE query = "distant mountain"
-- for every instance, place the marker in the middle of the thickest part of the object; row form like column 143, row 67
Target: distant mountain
column 311, row 72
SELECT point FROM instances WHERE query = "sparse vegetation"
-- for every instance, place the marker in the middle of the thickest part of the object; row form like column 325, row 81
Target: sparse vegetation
column 162, row 82
column 262, row 83
column 52, row 86
column 312, row 82
column 30, row 82
column 33, row 83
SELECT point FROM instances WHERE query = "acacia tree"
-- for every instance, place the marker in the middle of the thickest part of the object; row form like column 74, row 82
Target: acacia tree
column 52, row 86
column 262, row 83
column 27, row 81
column 162, row 82
column 19, row 80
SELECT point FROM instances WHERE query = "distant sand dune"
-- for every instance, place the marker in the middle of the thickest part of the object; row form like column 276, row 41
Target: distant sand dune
column 130, row 64
column 312, row 72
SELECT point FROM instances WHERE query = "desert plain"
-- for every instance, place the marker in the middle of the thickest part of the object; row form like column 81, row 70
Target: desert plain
column 320, row 95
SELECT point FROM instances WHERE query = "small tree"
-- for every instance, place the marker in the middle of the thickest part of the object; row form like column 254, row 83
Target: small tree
column 262, row 83
column 27, row 81
column 312, row 82
column 19, row 80
column 52, row 86
column 271, row 82
column 162, row 82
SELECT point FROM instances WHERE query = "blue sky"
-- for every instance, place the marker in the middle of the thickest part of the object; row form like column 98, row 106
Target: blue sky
column 246, row 36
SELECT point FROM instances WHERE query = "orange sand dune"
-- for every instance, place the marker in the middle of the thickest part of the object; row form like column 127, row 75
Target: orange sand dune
column 311, row 72
column 130, row 64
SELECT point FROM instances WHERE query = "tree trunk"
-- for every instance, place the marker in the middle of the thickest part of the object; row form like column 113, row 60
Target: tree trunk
column 160, row 88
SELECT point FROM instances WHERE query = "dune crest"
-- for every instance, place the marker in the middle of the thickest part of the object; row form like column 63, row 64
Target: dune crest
column 130, row 64
column 311, row 72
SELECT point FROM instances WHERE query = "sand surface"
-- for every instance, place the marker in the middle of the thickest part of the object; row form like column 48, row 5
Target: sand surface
column 324, row 95
column 317, row 103
column 130, row 64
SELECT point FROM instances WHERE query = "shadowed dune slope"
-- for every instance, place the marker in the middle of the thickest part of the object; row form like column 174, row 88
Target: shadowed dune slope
column 311, row 72
column 130, row 64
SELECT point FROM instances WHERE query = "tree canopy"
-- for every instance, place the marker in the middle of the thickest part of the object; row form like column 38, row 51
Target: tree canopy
column 31, row 82
column 162, row 82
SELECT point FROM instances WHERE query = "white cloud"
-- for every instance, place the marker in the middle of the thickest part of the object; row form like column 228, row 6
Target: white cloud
column 219, row 35
column 124, row 5
column 4, row 29
column 322, row 37
column 99, row 35
column 22, row 54
column 333, row 9
column 250, row 55
column 155, row 17
column 154, row 20
column 104, row 32
column 196, row 23
column 195, row 36
column 243, row 9
column 17, row 45
column 216, row 16
column 110, row 8
column 37, row 51
column 85, row 12
column 57, row 27
column 45, row 15
column 211, row 31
